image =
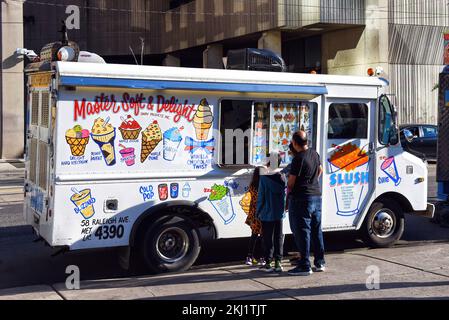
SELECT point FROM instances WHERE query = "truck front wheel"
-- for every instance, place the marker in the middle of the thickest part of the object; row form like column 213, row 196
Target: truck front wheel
column 384, row 224
column 170, row 246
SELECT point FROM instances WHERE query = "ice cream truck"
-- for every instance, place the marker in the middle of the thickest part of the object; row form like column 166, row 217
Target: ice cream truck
column 156, row 160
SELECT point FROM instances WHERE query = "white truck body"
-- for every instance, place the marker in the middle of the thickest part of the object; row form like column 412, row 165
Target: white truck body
column 79, row 195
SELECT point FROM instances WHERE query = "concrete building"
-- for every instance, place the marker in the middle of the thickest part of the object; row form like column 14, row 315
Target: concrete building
column 404, row 37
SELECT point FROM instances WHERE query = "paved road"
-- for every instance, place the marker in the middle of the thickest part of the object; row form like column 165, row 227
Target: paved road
column 25, row 263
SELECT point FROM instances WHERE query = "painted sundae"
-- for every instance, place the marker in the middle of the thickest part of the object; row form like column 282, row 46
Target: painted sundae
column 150, row 139
column 289, row 117
column 77, row 138
column 281, row 108
column 203, row 120
column 130, row 128
column 222, row 203
column 289, row 107
column 103, row 133
column 172, row 140
column 278, row 117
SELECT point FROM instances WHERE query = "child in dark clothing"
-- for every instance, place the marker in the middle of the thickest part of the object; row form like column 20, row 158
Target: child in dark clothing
column 270, row 210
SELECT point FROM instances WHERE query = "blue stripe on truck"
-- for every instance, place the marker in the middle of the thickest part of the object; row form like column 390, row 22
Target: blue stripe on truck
column 190, row 85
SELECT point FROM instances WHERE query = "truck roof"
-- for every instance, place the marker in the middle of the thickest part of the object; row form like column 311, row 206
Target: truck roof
column 120, row 71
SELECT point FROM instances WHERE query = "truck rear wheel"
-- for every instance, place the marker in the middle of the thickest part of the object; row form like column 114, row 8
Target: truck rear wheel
column 170, row 245
column 384, row 224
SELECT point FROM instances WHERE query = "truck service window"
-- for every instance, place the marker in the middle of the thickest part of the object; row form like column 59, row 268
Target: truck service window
column 348, row 121
column 235, row 130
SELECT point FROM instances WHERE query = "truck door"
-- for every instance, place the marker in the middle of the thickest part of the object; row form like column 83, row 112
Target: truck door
column 38, row 147
column 348, row 169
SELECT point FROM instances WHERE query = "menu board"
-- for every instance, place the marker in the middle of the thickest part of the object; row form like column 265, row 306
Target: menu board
column 286, row 119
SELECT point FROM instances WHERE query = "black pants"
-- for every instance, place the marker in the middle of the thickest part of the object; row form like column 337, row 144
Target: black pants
column 255, row 244
column 273, row 239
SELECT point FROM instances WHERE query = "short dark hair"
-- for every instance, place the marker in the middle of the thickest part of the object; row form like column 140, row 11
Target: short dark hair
column 299, row 140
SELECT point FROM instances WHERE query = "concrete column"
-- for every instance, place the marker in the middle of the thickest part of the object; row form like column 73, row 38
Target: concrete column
column 353, row 51
column 213, row 57
column 171, row 61
column 271, row 40
column 11, row 81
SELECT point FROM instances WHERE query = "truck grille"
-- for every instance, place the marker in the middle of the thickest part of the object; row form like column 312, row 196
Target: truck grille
column 45, row 109
column 35, row 108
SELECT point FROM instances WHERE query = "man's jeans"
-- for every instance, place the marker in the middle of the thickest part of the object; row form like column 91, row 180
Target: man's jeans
column 305, row 223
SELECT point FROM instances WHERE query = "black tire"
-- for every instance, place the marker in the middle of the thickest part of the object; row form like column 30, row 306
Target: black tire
column 383, row 225
column 170, row 244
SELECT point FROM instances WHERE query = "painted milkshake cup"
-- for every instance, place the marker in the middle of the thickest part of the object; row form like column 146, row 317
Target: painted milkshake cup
column 222, row 203
column 83, row 202
column 128, row 156
column 391, row 170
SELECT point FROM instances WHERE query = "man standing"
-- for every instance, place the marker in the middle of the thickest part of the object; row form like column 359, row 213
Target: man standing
column 305, row 205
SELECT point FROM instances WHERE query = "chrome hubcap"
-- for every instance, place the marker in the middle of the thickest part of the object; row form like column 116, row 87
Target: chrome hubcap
column 172, row 245
column 383, row 223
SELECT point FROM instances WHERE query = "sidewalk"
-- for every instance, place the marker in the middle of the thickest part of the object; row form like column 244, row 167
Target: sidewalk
column 418, row 272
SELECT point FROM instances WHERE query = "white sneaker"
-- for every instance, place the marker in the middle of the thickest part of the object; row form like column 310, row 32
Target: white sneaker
column 321, row 268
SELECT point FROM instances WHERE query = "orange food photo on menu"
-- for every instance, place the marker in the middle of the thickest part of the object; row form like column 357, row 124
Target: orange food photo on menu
column 349, row 157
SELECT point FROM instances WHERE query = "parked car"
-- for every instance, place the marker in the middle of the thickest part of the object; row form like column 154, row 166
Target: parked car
column 420, row 140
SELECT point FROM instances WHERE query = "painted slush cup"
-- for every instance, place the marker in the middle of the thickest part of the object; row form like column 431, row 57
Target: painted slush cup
column 349, row 178
column 172, row 140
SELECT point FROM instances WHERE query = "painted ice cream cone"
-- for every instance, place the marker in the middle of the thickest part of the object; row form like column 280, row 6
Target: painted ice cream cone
column 130, row 128
column 151, row 137
column 281, row 131
column 202, row 120
column 246, row 202
column 77, row 139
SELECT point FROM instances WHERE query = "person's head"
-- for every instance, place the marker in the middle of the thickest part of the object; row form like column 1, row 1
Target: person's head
column 256, row 177
column 292, row 151
column 300, row 141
